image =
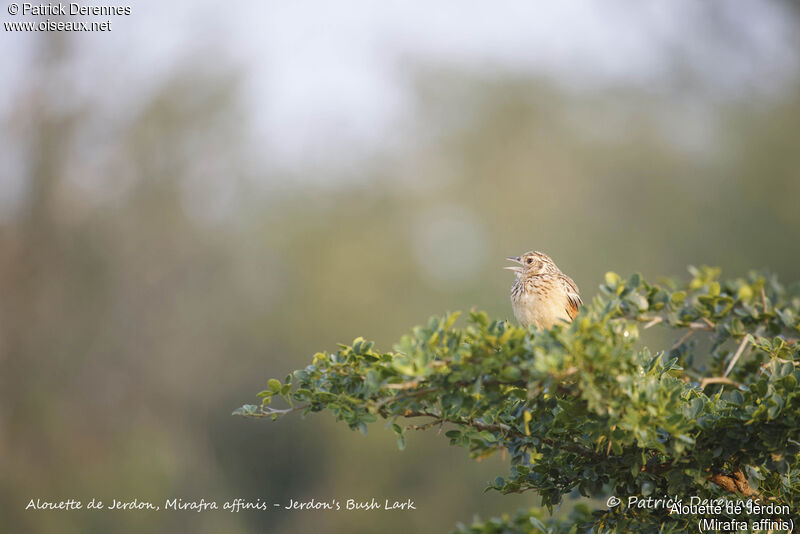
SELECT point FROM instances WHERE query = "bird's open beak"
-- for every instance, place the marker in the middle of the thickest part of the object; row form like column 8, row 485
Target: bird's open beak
column 514, row 267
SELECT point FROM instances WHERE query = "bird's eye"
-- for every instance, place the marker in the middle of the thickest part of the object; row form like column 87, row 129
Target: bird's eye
column 530, row 260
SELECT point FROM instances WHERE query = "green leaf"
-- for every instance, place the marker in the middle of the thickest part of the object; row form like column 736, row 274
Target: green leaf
column 633, row 282
column 735, row 397
column 612, row 279
column 713, row 289
column 512, row 373
column 537, row 524
column 695, row 408
column 274, row 385
column 678, row 297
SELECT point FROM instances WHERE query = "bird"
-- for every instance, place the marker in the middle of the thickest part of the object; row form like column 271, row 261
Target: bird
column 542, row 295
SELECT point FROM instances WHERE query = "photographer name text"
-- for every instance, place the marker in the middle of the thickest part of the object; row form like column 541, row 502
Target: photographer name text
column 70, row 9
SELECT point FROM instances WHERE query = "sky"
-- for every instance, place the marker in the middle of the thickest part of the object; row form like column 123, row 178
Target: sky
column 332, row 81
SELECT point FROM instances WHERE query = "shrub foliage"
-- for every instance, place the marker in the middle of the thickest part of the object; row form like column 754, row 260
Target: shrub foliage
column 584, row 408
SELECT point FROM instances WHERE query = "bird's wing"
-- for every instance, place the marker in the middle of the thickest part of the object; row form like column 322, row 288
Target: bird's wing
column 573, row 297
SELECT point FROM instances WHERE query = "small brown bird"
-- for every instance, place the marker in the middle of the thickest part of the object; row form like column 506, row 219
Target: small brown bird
column 542, row 295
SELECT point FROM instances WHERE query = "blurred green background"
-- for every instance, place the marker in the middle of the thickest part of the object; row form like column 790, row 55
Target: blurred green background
column 177, row 226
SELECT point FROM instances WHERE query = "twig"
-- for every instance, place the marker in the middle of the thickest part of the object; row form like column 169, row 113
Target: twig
column 653, row 322
column 571, row 370
column 500, row 427
column 425, row 426
column 657, row 469
column 684, row 338
column 520, row 490
column 764, row 299
column 404, row 385
column 736, row 356
column 718, row 380
column 267, row 411
column 704, row 324
column 462, row 383
column 400, row 396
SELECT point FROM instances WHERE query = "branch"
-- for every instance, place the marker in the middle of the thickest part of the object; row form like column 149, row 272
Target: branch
column 736, row 356
column 681, row 340
column 266, row 411
column 479, row 425
column 657, row 469
column 703, row 324
column 404, row 385
column 718, row 380
column 736, row 483
column 505, row 429
column 653, row 322
column 416, row 393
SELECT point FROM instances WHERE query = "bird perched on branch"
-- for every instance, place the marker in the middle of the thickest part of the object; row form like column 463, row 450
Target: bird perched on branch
column 542, row 295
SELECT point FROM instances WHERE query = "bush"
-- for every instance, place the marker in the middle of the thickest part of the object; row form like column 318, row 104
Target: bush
column 584, row 408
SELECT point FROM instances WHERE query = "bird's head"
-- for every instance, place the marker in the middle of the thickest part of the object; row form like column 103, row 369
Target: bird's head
column 532, row 263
